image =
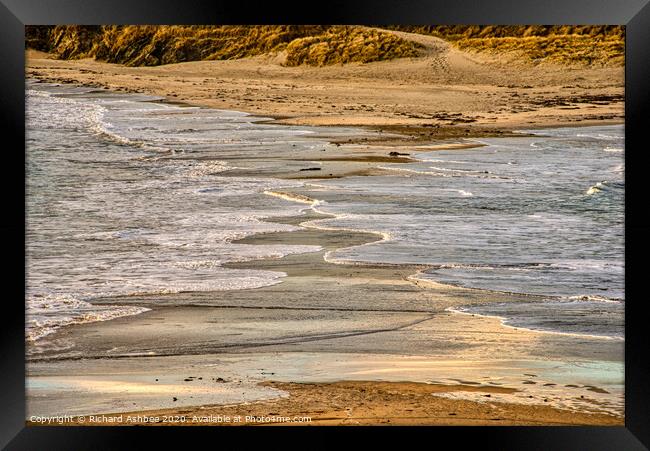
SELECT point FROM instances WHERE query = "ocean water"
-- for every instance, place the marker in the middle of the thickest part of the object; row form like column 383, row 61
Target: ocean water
column 125, row 195
column 540, row 215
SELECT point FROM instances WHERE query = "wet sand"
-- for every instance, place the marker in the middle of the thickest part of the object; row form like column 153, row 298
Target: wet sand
column 325, row 323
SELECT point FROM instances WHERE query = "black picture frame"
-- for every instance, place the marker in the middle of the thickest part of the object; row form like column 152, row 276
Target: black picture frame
column 635, row 14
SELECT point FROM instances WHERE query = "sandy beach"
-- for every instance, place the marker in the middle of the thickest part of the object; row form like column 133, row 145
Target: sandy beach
column 361, row 404
column 235, row 347
column 342, row 344
column 447, row 93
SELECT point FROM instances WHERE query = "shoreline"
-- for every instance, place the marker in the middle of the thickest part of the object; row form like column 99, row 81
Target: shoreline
column 446, row 95
column 309, row 223
column 304, row 272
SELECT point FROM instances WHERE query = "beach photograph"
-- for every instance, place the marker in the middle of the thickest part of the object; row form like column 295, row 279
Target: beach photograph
column 325, row 225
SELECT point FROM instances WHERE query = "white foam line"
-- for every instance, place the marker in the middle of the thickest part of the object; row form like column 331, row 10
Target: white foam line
column 384, row 236
column 419, row 281
column 504, row 320
column 313, row 203
column 598, row 187
column 34, row 333
column 292, row 197
column 430, row 283
column 590, row 298
column 413, row 171
column 449, row 173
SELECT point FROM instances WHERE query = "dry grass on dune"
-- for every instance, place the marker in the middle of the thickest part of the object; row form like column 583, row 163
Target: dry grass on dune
column 320, row 45
column 558, row 49
column 148, row 45
column 346, row 45
column 597, row 45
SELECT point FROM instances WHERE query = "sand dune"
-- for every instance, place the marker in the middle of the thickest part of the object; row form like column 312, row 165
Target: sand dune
column 445, row 93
